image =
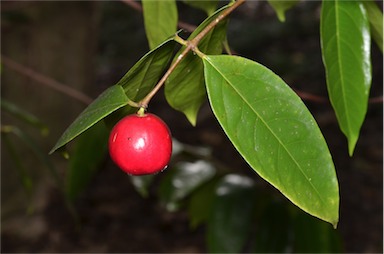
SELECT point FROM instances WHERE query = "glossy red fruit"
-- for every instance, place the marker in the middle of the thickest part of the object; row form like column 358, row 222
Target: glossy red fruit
column 140, row 144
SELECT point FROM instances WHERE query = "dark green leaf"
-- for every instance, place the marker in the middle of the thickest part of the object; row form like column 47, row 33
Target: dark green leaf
column 281, row 6
column 200, row 203
column 229, row 223
column 40, row 154
column 110, row 100
column 25, row 116
column 314, row 236
column 142, row 183
column 134, row 85
column 375, row 17
column 25, row 178
column 160, row 20
column 346, row 41
column 273, row 233
column 144, row 75
column 89, row 152
column 209, row 6
column 186, row 178
column 184, row 88
column 275, row 133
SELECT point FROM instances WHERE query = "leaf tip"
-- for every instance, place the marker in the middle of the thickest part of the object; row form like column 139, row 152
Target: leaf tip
column 352, row 140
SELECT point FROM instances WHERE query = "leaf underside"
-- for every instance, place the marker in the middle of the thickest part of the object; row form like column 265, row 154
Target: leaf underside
column 275, row 133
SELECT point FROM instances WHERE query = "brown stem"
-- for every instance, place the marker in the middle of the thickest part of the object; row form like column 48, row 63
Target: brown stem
column 190, row 45
column 44, row 80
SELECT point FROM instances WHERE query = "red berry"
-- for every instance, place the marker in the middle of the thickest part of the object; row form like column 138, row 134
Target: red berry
column 140, row 144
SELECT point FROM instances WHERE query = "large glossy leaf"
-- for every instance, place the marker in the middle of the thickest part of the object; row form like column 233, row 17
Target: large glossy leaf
column 89, row 153
column 110, row 100
column 281, row 6
column 184, row 88
column 375, row 17
column 232, row 209
column 275, row 133
column 345, row 42
column 160, row 20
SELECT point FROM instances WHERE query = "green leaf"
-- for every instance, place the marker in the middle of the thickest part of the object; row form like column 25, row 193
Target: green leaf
column 16, row 157
column 273, row 233
column 144, row 75
column 229, row 223
column 275, row 133
column 314, row 236
column 160, row 20
column 184, row 89
column 186, row 177
column 201, row 202
column 209, row 6
column 89, row 153
column 40, row 154
column 281, row 6
column 142, row 183
column 134, row 86
column 375, row 17
column 23, row 115
column 110, row 100
column 345, row 42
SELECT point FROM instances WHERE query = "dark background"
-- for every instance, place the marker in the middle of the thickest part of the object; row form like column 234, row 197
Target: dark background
column 89, row 46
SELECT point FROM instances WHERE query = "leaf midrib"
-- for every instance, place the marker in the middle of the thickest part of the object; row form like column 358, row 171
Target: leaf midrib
column 264, row 122
column 339, row 63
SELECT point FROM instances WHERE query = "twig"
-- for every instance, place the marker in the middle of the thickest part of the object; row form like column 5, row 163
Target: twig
column 320, row 99
column 376, row 100
column 44, row 80
column 190, row 45
column 311, row 97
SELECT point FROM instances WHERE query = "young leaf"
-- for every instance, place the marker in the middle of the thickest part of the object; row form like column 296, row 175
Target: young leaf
column 232, row 209
column 184, row 88
column 345, row 42
column 275, row 133
column 160, row 20
column 375, row 17
column 281, row 6
column 110, row 100
column 90, row 152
